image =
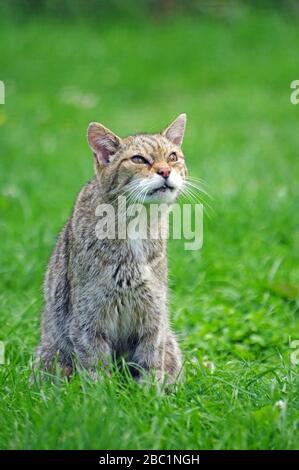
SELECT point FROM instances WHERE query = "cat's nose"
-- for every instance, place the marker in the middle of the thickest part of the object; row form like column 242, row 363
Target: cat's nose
column 165, row 172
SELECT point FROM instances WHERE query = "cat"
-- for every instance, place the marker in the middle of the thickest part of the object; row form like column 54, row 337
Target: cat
column 106, row 299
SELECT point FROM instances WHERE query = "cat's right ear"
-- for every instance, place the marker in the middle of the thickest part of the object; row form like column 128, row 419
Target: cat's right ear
column 103, row 143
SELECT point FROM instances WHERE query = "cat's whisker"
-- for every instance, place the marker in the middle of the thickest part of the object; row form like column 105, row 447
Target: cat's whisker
column 207, row 207
column 136, row 195
column 195, row 193
column 201, row 193
column 199, row 180
column 189, row 195
column 126, row 193
column 199, row 188
column 123, row 191
column 145, row 195
column 133, row 196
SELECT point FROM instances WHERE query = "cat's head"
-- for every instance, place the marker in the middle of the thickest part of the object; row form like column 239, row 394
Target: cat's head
column 144, row 167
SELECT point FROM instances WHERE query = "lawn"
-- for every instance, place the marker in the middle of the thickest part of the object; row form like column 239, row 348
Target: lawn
column 234, row 303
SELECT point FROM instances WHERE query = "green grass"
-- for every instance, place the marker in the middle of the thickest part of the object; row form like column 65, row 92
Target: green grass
column 235, row 302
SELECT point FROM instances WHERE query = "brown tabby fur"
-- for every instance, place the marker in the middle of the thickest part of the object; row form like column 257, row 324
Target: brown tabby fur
column 107, row 299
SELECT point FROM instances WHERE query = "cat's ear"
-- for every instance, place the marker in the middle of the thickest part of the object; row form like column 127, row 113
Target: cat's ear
column 103, row 142
column 175, row 131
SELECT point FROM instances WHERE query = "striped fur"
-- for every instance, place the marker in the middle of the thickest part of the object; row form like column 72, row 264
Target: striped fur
column 107, row 299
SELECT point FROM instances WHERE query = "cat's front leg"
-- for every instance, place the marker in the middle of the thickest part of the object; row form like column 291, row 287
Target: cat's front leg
column 158, row 355
column 172, row 359
column 92, row 352
column 148, row 356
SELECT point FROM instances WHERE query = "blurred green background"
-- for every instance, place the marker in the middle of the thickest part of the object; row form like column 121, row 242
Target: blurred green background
column 134, row 66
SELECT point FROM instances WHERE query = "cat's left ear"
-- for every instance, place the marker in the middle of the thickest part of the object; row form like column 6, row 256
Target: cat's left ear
column 176, row 130
column 103, row 142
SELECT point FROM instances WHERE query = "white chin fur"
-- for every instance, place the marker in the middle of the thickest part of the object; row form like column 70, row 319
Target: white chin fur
column 167, row 196
column 174, row 180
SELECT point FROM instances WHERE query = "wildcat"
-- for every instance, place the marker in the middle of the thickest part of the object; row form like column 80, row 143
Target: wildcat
column 107, row 299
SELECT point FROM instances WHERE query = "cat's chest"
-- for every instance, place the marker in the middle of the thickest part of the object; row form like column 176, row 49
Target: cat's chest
column 132, row 289
column 132, row 269
column 131, row 295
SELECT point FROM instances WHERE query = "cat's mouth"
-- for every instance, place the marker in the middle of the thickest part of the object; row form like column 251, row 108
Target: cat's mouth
column 161, row 189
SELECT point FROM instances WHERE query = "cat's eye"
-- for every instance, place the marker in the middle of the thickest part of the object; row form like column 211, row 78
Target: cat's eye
column 140, row 159
column 173, row 157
